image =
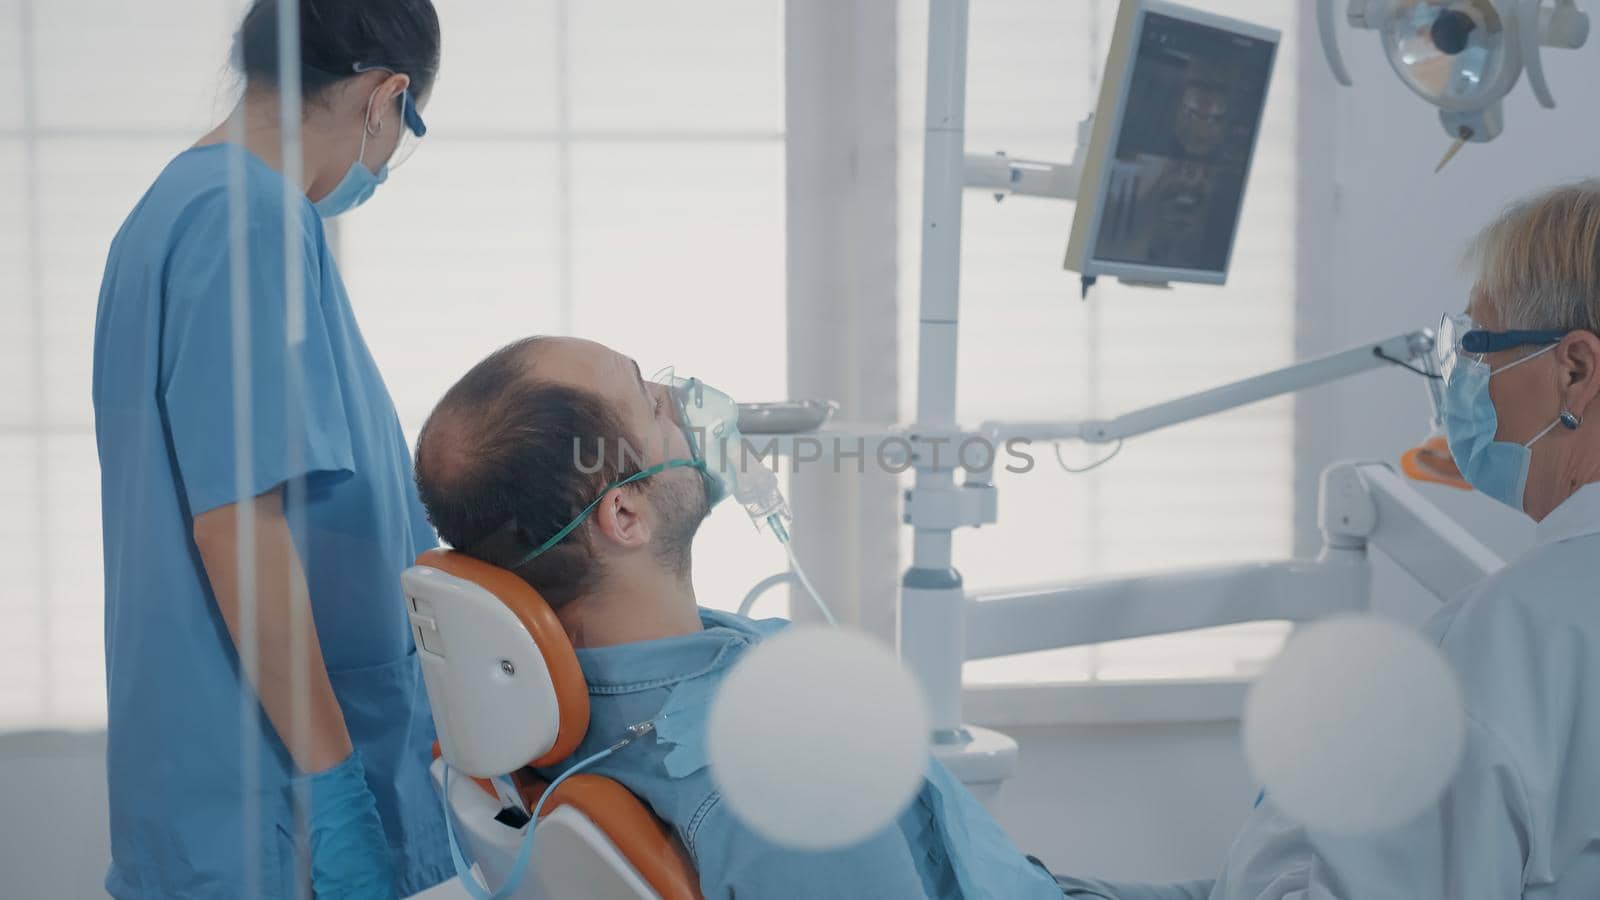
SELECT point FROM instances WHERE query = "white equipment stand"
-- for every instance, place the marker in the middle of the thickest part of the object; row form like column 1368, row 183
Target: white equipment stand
column 942, row 624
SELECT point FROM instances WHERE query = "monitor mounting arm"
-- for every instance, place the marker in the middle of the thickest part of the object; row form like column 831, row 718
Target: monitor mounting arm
column 1005, row 176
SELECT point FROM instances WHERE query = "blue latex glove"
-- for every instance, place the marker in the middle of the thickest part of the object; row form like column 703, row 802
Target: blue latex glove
column 350, row 857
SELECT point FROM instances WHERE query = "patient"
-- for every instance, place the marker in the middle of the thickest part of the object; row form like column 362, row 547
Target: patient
column 497, row 471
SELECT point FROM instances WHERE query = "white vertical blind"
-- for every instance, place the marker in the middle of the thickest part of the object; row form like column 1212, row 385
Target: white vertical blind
column 609, row 167
column 1214, row 491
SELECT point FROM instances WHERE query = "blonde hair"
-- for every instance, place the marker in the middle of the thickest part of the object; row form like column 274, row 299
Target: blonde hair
column 1538, row 264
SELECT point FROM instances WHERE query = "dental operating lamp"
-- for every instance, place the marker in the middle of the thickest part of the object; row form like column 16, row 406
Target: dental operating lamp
column 1463, row 56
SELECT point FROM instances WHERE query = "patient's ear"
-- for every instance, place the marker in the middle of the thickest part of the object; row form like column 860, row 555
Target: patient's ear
column 619, row 518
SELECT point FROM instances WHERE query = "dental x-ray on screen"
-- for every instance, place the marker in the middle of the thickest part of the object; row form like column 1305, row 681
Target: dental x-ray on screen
column 1180, row 110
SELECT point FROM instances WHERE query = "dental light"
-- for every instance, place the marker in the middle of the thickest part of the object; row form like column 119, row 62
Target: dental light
column 1463, row 56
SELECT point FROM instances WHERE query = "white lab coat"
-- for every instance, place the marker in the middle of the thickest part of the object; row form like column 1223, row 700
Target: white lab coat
column 1521, row 818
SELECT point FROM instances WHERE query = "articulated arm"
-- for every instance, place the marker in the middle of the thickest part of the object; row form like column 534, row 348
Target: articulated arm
column 1368, row 504
column 1402, row 349
column 1048, row 617
column 1362, row 504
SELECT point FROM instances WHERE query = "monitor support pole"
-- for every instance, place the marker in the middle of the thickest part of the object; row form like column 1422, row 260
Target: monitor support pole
column 932, row 595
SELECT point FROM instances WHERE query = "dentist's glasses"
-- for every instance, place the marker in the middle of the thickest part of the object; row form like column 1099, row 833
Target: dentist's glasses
column 411, row 134
column 412, row 129
column 1459, row 336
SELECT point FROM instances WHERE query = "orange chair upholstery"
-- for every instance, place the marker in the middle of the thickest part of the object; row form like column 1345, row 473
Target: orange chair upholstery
column 1431, row 461
column 508, row 696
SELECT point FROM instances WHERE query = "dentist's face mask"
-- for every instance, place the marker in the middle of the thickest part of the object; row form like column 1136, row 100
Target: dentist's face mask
column 1498, row 469
column 360, row 182
column 710, row 423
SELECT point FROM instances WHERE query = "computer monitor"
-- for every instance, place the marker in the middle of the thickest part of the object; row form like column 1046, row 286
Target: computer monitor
column 1164, row 175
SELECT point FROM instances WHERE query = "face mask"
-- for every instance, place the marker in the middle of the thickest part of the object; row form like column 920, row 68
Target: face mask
column 356, row 188
column 710, row 419
column 710, row 423
column 360, row 183
column 706, row 427
column 1498, row 469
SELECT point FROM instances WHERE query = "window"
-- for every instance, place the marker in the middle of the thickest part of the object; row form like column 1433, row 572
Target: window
column 1213, row 491
column 606, row 168
column 626, row 186
column 75, row 157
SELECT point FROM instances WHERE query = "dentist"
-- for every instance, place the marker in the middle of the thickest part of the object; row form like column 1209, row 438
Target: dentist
column 1522, row 415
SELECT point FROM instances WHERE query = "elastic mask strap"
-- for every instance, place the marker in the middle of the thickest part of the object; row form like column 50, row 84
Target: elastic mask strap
column 366, row 129
column 573, row 525
column 1547, row 429
column 1535, row 355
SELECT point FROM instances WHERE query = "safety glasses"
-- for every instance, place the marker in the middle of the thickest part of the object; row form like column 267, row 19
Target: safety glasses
column 411, row 136
column 1458, row 335
column 414, row 129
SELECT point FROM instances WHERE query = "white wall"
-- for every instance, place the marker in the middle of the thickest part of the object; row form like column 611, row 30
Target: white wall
column 53, row 837
column 1151, row 802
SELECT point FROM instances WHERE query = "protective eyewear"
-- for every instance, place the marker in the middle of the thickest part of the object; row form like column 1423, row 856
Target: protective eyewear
column 1458, row 334
column 414, row 129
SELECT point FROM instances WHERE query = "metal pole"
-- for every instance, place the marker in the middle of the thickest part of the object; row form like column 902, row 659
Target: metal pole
column 932, row 599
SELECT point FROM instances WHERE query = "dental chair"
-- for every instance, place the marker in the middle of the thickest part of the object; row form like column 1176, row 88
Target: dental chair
column 508, row 697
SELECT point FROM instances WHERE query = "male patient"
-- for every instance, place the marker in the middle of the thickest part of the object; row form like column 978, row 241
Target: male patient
column 499, row 471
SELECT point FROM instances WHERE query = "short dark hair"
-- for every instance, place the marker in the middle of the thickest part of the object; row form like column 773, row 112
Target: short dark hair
column 498, row 469
column 337, row 35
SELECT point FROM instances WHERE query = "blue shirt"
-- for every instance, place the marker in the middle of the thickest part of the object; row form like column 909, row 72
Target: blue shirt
column 184, row 745
column 944, row 846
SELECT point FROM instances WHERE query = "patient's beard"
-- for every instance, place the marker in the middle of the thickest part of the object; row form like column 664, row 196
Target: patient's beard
column 681, row 501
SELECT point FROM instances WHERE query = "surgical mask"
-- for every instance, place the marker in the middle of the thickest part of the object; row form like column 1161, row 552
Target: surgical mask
column 356, row 188
column 1498, row 469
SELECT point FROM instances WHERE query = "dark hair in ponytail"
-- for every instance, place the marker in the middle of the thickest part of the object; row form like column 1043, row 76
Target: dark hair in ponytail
column 337, row 35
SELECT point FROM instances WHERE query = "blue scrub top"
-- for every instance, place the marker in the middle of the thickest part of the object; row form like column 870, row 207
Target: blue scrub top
column 182, row 739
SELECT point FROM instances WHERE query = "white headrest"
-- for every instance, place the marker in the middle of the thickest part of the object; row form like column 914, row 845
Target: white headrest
column 494, row 700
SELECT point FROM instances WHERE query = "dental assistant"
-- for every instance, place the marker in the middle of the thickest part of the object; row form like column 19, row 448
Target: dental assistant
column 251, row 457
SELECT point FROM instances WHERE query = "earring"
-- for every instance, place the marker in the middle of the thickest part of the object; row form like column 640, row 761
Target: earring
column 1569, row 420
column 372, row 131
